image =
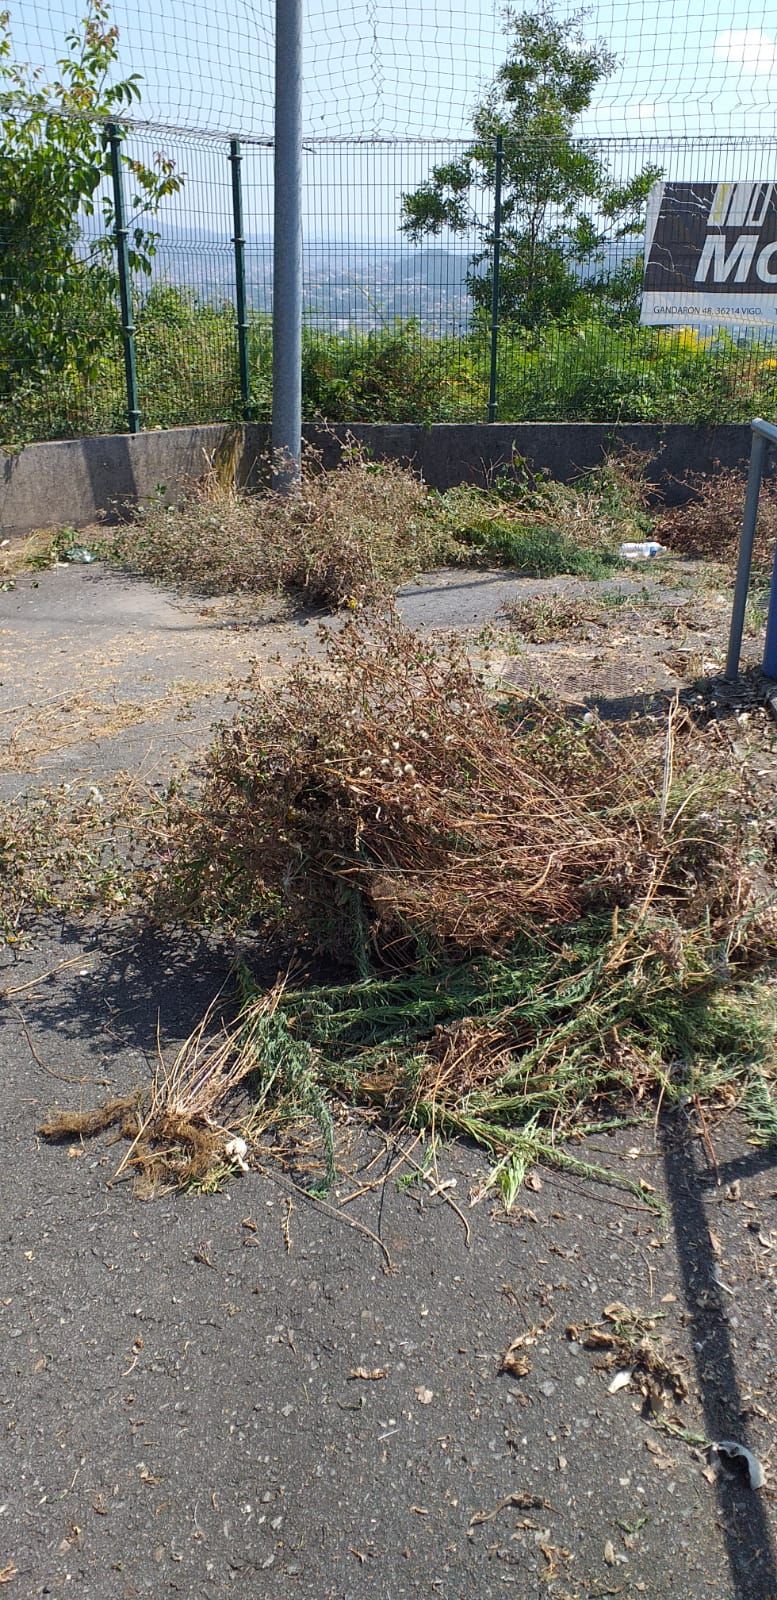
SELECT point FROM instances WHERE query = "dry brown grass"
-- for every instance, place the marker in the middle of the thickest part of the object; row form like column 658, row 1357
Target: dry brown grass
column 38, row 549
column 545, row 619
column 64, row 722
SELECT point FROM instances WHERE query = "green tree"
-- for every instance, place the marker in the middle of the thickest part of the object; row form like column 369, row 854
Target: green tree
column 559, row 203
column 58, row 290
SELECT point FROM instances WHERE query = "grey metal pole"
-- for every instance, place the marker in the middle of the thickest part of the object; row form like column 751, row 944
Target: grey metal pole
column 287, row 249
column 744, row 564
column 494, row 351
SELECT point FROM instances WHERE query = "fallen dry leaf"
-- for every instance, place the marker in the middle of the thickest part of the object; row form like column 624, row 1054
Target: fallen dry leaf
column 515, row 1360
column 662, row 1461
column 616, row 1311
column 609, row 1553
column 369, row 1375
column 424, row 1396
column 8, row 1572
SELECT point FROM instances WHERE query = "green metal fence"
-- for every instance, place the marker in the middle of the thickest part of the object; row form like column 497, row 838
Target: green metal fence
column 395, row 328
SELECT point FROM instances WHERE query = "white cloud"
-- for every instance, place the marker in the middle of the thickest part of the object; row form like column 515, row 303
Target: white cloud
column 750, row 48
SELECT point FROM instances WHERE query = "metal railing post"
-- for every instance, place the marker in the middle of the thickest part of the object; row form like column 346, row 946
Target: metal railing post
column 236, row 157
column 125, row 287
column 770, row 642
column 494, row 354
column 287, row 250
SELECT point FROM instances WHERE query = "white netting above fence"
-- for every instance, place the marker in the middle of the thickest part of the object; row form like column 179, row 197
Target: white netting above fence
column 390, row 68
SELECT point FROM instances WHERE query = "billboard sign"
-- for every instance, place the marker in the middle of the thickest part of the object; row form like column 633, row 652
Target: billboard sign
column 711, row 254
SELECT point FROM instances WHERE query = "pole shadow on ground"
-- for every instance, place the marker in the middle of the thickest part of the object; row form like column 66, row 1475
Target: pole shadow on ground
column 742, row 1513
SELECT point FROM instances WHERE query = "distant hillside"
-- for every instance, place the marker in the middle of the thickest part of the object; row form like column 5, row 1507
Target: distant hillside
column 345, row 286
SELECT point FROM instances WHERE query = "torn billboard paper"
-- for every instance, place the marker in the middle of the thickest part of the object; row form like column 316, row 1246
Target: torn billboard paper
column 711, row 254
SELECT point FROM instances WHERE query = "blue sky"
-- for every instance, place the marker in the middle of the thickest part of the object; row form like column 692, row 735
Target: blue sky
column 397, row 68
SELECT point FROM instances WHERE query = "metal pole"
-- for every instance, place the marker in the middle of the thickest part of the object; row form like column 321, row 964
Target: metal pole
column 125, row 290
column 235, row 156
column 757, row 454
column 495, row 278
column 770, row 643
column 287, row 249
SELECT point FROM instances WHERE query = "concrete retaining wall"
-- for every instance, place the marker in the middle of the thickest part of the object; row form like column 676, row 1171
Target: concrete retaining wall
column 74, row 482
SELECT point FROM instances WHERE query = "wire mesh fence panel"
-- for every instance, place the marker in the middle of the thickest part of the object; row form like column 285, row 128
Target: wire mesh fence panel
column 398, row 318
column 405, row 316
column 187, row 352
column 389, row 332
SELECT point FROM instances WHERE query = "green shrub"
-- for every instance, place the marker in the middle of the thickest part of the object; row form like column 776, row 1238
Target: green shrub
column 594, row 371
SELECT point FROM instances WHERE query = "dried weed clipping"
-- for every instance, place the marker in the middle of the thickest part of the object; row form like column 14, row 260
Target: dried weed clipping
column 182, row 1128
column 385, row 804
column 65, row 1125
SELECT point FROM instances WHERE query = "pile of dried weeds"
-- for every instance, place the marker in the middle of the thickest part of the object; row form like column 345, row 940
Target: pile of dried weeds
column 386, row 805
column 349, row 536
column 71, row 848
column 708, row 524
column 549, row 924
column 352, row 535
column 544, row 619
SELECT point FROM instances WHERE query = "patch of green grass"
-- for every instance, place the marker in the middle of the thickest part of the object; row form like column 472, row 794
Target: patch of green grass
column 760, row 1106
column 541, row 528
column 756, row 611
column 531, row 552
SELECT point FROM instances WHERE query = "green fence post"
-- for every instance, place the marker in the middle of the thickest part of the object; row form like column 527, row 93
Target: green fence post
column 235, row 157
column 125, row 290
column 495, row 278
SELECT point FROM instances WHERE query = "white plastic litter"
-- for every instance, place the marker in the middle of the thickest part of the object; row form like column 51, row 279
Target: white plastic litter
column 237, row 1150
column 643, row 551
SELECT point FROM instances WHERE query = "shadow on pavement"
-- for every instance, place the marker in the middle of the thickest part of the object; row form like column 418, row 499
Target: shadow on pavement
column 743, row 1522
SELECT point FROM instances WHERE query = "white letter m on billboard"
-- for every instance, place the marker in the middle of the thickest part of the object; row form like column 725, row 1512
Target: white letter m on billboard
column 714, row 255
